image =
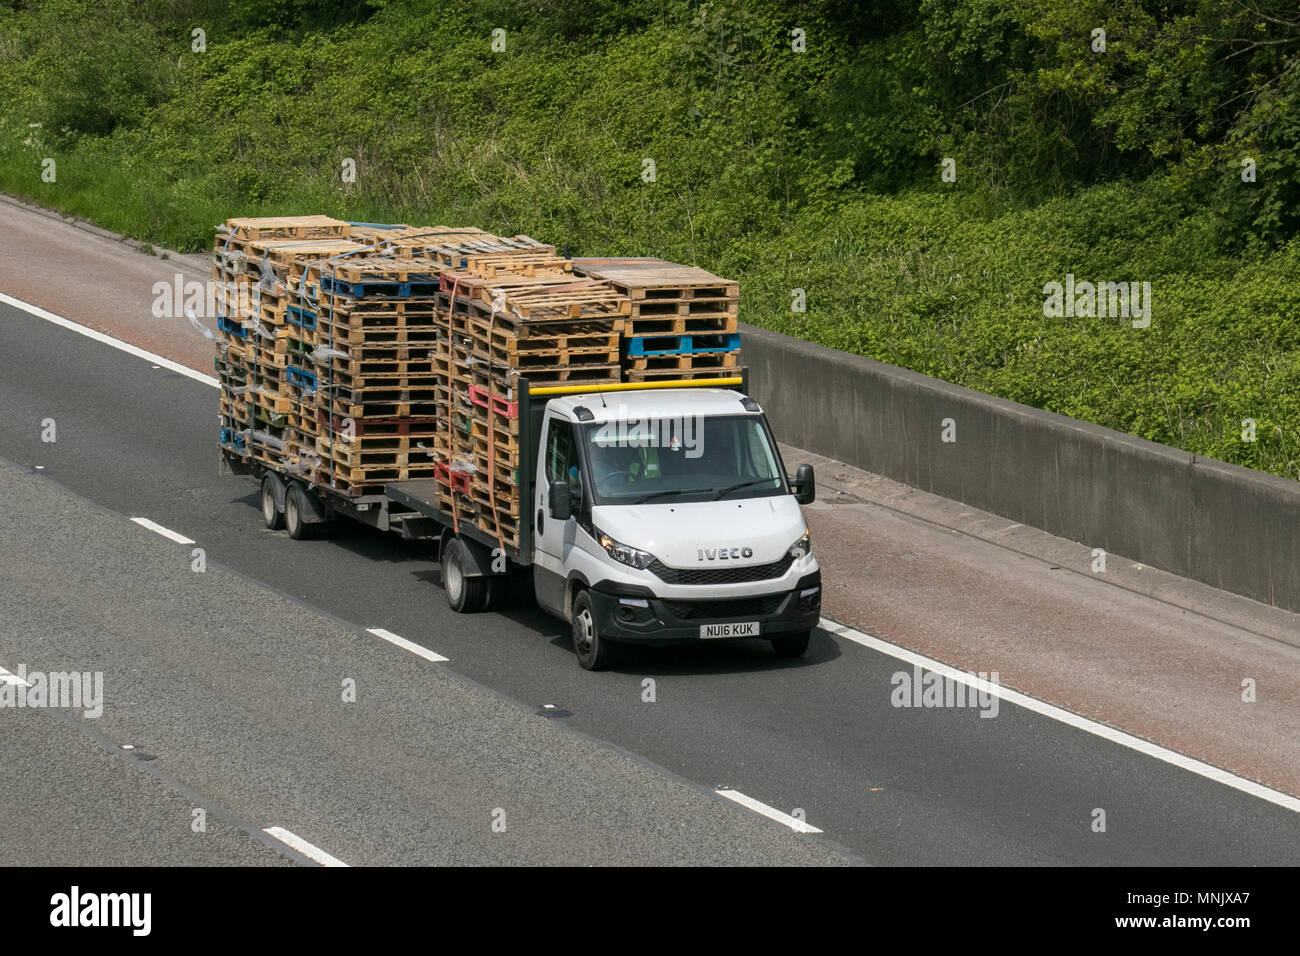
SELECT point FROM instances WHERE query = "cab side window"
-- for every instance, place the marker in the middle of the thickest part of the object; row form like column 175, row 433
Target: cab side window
column 561, row 460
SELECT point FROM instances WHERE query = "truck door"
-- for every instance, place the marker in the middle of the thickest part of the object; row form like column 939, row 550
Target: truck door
column 558, row 461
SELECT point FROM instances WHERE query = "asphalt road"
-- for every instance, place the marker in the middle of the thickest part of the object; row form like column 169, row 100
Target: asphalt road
column 230, row 678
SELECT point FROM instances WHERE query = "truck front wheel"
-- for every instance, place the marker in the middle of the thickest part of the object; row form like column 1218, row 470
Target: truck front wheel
column 591, row 648
column 792, row 645
column 465, row 594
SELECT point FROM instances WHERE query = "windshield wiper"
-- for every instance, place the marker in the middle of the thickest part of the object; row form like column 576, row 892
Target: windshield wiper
column 673, row 491
column 743, row 484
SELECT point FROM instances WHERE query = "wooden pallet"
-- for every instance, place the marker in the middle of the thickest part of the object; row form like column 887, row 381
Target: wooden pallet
column 525, row 359
column 471, row 286
column 649, row 278
column 475, row 424
column 577, row 300
column 506, row 458
column 387, row 314
column 288, row 227
column 416, row 444
column 374, row 408
column 718, row 362
column 681, row 325
column 375, row 474
column 364, row 457
column 688, row 308
column 523, row 262
column 507, row 503
column 419, row 384
column 289, row 258
column 454, row 252
column 543, row 302
column 546, row 338
column 411, row 335
column 506, row 526
column 369, row 267
column 363, row 428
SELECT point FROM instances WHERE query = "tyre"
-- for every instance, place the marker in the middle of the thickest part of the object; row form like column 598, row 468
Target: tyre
column 465, row 594
column 295, row 506
column 792, row 645
column 592, row 650
column 272, row 516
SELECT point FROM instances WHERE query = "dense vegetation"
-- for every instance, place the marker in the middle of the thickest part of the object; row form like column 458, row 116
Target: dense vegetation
column 817, row 170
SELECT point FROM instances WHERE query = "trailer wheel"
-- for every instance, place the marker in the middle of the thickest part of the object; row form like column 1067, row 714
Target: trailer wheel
column 272, row 516
column 591, row 648
column 792, row 645
column 465, row 594
column 294, row 508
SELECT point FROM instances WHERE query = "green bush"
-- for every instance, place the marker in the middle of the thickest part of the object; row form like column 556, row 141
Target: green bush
column 816, row 170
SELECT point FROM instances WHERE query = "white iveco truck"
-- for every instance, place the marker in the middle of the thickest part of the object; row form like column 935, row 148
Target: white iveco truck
column 655, row 513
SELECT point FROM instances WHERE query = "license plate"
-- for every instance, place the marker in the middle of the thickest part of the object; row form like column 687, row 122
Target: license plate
column 748, row 629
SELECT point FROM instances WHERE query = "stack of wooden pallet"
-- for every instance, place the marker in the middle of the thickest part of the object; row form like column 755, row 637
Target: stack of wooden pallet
column 258, row 267
column 355, row 354
column 509, row 315
column 450, row 246
column 377, row 365
column 682, row 320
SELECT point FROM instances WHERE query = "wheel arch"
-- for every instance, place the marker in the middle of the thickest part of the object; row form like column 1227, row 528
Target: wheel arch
column 577, row 581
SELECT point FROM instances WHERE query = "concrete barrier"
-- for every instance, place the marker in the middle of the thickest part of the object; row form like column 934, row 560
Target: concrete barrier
column 1221, row 524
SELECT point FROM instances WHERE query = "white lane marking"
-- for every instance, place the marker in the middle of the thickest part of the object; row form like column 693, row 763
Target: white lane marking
column 1210, row 772
column 772, row 813
column 159, row 529
column 406, row 645
column 14, row 679
column 127, row 347
column 309, row 850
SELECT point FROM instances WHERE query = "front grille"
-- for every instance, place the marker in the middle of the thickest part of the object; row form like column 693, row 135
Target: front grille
column 729, row 574
column 733, row 610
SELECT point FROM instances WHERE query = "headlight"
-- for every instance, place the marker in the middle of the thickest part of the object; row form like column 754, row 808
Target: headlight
column 624, row 554
column 802, row 546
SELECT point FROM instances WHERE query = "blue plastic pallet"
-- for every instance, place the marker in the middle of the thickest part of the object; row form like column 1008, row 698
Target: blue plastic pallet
column 380, row 287
column 236, row 329
column 683, row 344
column 300, row 378
column 230, row 436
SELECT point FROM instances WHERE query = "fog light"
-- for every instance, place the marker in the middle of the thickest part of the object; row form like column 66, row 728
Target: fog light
column 810, row 599
column 629, row 609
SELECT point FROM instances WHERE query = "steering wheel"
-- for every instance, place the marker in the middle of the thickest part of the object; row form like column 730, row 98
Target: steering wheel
column 628, row 476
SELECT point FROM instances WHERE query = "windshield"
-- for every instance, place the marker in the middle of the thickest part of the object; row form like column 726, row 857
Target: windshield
column 689, row 459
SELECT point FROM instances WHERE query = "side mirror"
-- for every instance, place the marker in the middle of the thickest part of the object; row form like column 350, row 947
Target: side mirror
column 558, row 503
column 804, row 485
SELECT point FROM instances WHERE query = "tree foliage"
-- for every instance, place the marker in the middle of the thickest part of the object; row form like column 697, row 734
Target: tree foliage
column 796, row 143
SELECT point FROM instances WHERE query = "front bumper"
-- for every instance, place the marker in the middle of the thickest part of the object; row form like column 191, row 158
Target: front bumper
column 621, row 616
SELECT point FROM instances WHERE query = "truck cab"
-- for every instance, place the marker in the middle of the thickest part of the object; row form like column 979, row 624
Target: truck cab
column 665, row 516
